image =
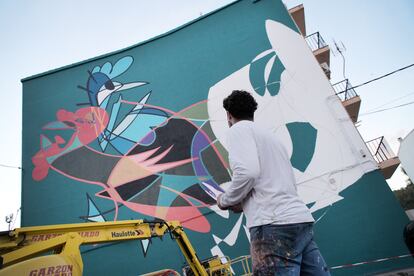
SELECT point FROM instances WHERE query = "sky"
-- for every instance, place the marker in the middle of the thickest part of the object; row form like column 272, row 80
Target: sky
column 37, row 36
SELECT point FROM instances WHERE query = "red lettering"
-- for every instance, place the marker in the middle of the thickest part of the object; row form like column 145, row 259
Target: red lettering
column 51, row 270
column 42, row 272
column 42, row 237
column 89, row 234
column 60, row 270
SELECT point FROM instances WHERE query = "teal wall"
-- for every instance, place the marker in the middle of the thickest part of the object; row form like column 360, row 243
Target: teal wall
column 72, row 178
column 368, row 225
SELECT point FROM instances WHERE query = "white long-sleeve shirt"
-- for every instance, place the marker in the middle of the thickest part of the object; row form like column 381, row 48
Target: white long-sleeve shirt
column 263, row 180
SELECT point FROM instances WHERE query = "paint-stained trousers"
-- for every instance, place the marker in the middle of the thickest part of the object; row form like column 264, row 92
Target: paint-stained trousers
column 286, row 250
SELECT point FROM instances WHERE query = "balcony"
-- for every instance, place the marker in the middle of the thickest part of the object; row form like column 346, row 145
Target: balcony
column 320, row 50
column 315, row 41
column 298, row 15
column 385, row 157
column 350, row 99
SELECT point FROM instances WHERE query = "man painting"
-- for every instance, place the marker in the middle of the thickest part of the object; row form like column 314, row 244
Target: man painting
column 264, row 187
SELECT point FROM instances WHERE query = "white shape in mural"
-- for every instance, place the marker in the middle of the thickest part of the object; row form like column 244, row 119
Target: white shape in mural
column 340, row 156
column 230, row 239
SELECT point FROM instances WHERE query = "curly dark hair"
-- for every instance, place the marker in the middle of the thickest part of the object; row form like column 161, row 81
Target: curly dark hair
column 240, row 104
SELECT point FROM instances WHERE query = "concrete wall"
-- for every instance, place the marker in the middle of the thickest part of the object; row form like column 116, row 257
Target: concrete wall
column 406, row 153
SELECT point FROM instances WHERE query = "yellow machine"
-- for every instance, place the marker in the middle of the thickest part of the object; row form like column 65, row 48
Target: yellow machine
column 23, row 251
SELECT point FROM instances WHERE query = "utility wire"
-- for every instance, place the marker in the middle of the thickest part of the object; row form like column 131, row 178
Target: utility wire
column 385, row 109
column 11, row 167
column 392, row 101
column 380, row 77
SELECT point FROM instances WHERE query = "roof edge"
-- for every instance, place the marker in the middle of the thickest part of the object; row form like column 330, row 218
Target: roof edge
column 132, row 46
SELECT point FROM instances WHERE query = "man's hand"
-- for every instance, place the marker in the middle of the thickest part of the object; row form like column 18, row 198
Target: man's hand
column 236, row 208
column 218, row 203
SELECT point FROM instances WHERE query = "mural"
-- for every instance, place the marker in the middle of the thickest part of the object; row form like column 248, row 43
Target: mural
column 166, row 164
column 141, row 133
column 152, row 160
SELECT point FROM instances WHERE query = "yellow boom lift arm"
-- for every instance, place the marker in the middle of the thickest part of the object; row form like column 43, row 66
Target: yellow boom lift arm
column 20, row 248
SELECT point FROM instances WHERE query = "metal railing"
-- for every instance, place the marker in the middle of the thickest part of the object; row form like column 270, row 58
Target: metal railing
column 344, row 90
column 245, row 262
column 380, row 149
column 315, row 41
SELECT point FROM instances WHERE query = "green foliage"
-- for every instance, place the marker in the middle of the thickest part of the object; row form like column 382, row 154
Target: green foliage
column 406, row 196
